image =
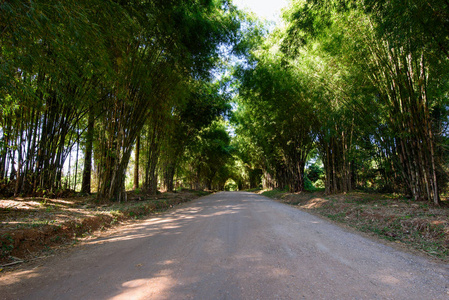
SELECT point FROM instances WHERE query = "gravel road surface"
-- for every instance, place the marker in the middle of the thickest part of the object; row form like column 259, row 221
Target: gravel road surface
column 231, row 245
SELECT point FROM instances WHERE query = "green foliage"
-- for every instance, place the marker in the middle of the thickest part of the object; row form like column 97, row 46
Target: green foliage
column 276, row 114
column 202, row 193
column 275, row 193
column 126, row 64
column 371, row 102
column 6, row 245
column 230, row 185
column 209, row 156
column 319, row 184
column 360, row 76
column 314, row 172
column 308, row 184
column 350, row 95
column 421, row 22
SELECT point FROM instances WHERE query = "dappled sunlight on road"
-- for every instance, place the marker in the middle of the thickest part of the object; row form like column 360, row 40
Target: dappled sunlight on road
column 171, row 221
column 391, row 276
column 18, row 277
column 145, row 288
column 389, row 279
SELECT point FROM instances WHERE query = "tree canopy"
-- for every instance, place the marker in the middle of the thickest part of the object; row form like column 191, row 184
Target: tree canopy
column 362, row 82
column 345, row 95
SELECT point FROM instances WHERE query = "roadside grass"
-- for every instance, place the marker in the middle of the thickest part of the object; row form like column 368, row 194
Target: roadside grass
column 254, row 190
column 275, row 193
column 418, row 225
column 30, row 226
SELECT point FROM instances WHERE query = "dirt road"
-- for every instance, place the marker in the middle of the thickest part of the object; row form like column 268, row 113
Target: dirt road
column 232, row 245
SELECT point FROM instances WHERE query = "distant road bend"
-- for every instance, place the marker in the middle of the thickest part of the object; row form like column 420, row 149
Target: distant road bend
column 232, row 245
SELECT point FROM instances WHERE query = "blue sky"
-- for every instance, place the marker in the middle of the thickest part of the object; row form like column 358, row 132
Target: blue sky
column 268, row 9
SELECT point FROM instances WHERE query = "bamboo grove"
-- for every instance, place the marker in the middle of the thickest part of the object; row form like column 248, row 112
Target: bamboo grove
column 361, row 86
column 87, row 82
column 106, row 95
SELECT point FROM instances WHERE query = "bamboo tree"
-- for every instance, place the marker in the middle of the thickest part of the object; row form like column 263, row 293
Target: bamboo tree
column 87, row 170
column 46, row 75
column 150, row 73
column 395, row 61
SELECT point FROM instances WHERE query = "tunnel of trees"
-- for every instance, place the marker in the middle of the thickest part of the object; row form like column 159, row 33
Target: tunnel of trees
column 101, row 96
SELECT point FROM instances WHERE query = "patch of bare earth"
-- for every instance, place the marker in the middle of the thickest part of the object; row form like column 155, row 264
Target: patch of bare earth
column 418, row 225
column 34, row 226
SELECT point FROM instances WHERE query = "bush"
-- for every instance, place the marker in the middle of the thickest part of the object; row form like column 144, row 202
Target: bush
column 308, row 185
column 6, row 245
column 274, row 193
column 319, row 184
column 314, row 172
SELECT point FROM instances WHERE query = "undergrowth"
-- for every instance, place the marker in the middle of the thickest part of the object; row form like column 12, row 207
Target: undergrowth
column 39, row 231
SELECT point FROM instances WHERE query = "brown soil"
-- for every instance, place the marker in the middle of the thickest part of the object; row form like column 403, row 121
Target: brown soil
column 32, row 227
column 417, row 225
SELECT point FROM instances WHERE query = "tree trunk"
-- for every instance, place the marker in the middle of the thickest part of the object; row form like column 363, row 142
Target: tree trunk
column 87, row 171
column 136, row 163
column 117, row 190
column 151, row 178
column 169, row 176
column 337, row 165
